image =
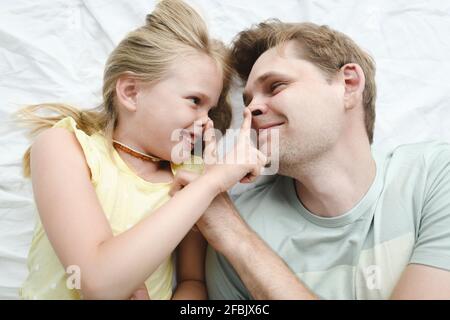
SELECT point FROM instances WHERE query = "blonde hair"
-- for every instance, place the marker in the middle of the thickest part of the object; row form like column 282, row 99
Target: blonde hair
column 328, row 49
column 171, row 30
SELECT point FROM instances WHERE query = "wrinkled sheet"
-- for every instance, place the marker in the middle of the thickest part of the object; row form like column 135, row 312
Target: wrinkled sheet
column 54, row 50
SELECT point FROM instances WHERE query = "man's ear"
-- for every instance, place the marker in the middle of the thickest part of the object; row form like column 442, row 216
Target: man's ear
column 126, row 91
column 354, row 82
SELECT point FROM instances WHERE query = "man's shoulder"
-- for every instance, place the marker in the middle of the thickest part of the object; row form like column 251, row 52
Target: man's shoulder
column 424, row 154
column 423, row 148
column 414, row 173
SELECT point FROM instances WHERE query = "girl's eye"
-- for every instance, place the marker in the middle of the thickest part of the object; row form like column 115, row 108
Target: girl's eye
column 195, row 100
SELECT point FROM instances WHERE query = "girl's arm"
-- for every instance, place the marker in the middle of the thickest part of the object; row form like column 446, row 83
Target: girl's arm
column 111, row 267
column 191, row 268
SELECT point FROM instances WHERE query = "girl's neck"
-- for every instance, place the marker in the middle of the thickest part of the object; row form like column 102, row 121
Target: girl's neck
column 155, row 172
column 144, row 167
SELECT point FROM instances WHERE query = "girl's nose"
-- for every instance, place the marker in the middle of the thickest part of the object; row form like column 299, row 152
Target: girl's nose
column 201, row 122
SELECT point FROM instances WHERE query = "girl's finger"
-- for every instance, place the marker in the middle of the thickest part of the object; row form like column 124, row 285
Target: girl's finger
column 181, row 179
column 210, row 153
column 262, row 159
column 252, row 175
column 175, row 187
column 246, row 124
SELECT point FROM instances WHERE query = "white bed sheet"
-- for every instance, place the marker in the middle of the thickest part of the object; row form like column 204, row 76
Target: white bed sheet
column 54, row 50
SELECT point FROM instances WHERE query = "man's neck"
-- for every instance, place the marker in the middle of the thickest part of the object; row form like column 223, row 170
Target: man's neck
column 335, row 183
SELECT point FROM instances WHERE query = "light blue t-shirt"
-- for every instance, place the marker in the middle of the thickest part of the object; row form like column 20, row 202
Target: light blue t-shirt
column 403, row 218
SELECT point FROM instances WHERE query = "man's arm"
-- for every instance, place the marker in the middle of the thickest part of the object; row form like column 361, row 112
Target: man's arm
column 262, row 271
column 422, row 282
column 427, row 276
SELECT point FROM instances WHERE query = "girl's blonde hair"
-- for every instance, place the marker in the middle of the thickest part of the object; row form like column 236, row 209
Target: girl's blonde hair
column 173, row 29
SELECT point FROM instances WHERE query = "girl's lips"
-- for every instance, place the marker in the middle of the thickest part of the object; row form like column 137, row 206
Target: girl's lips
column 190, row 138
column 193, row 138
column 186, row 136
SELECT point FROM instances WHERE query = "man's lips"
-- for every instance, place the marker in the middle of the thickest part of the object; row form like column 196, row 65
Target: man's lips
column 269, row 125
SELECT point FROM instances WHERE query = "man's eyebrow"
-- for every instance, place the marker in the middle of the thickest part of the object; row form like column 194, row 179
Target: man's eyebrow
column 259, row 80
column 267, row 75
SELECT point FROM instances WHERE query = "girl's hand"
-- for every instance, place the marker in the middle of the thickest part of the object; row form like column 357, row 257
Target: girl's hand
column 181, row 179
column 242, row 164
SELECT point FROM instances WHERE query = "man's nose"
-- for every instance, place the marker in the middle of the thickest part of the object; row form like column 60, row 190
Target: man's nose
column 257, row 109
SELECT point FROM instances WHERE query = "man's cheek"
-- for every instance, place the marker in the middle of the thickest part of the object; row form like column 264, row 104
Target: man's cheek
column 268, row 141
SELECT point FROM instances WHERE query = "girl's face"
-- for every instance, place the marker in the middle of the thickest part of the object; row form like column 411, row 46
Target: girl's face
column 170, row 108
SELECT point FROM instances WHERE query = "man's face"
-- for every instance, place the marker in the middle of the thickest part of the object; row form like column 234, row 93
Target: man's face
column 292, row 95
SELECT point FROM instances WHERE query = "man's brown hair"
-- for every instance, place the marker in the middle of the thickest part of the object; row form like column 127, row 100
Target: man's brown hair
column 328, row 49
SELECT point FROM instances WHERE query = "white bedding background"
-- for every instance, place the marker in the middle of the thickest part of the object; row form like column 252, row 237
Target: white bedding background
column 54, row 50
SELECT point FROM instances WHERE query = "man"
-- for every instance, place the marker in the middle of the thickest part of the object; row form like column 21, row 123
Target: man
column 340, row 221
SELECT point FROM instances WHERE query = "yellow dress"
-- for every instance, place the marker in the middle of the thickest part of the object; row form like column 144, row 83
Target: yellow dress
column 125, row 198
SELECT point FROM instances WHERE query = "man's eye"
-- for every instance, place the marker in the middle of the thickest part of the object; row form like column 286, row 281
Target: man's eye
column 276, row 86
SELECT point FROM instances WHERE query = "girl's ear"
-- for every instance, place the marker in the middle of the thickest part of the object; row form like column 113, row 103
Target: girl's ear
column 126, row 91
column 354, row 82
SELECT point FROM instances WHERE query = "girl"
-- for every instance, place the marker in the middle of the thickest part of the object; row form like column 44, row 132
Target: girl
column 102, row 179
